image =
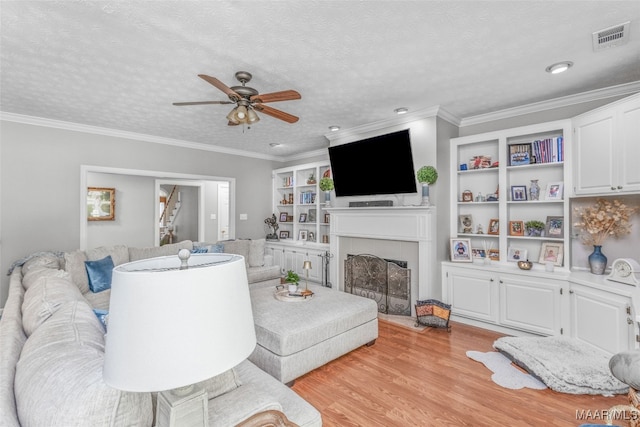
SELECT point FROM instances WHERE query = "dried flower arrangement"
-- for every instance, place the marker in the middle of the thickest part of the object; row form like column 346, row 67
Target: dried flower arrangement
column 605, row 218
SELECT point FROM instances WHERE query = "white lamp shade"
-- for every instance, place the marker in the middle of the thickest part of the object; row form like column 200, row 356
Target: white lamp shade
column 170, row 328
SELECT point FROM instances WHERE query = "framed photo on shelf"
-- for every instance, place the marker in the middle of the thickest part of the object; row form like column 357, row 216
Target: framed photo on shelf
column 516, row 228
column 478, row 253
column 518, row 193
column 311, row 237
column 554, row 226
column 494, row 254
column 520, row 154
column 466, row 223
column 516, row 254
column 494, row 226
column 461, row 250
column 284, row 234
column 554, row 191
column 303, row 217
column 302, row 235
column 326, row 218
column 283, row 217
column 551, row 252
column 312, row 215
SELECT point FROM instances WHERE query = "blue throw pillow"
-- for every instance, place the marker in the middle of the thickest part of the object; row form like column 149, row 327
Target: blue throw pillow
column 216, row 249
column 103, row 316
column 99, row 273
column 200, row 250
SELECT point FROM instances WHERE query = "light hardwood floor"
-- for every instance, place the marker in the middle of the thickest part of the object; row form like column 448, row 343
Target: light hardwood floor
column 410, row 378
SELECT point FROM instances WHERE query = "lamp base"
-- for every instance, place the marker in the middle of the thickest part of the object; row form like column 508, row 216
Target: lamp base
column 176, row 408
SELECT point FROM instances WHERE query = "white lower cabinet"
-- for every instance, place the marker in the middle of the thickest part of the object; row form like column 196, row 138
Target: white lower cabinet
column 580, row 305
column 531, row 304
column 602, row 319
column 293, row 256
column 509, row 300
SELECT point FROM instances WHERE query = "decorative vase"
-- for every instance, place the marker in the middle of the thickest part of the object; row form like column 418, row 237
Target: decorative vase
column 327, row 198
column 597, row 260
column 534, row 190
column 293, row 288
column 425, row 194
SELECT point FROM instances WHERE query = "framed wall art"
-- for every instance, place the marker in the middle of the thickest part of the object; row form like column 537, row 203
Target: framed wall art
column 101, row 204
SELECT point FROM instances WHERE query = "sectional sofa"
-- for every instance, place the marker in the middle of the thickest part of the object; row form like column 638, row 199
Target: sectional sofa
column 52, row 349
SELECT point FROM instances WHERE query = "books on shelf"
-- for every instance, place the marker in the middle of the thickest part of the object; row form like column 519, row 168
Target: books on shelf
column 549, row 150
column 307, row 197
column 287, row 181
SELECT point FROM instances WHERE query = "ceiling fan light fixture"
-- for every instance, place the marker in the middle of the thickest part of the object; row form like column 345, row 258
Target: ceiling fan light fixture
column 401, row 110
column 252, row 116
column 559, row 67
column 232, row 116
column 241, row 113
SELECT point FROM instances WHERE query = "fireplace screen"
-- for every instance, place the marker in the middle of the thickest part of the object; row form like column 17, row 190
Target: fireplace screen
column 388, row 282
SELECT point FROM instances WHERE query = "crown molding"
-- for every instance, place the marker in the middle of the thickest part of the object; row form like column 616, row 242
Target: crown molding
column 565, row 101
column 59, row 124
column 436, row 111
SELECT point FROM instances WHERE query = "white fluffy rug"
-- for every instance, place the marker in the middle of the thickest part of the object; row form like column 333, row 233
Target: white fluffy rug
column 564, row 364
column 504, row 373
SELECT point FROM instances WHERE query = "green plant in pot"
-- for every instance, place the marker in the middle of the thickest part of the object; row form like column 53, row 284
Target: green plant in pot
column 534, row 228
column 292, row 279
column 426, row 175
column 326, row 185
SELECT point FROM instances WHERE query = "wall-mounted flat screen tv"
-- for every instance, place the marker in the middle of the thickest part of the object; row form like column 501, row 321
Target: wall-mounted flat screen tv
column 379, row 165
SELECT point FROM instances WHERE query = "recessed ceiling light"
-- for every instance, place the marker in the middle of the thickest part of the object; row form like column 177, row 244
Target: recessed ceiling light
column 401, row 110
column 274, row 144
column 559, row 67
column 334, row 128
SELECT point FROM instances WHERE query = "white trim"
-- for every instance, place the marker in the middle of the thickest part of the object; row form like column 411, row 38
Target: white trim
column 201, row 201
column 58, row 124
column 85, row 169
column 593, row 95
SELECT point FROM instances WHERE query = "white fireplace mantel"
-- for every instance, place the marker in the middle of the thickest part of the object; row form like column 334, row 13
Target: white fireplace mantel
column 398, row 223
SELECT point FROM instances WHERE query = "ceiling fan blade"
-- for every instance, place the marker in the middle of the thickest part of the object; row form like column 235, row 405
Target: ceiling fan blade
column 285, row 95
column 276, row 113
column 202, row 103
column 223, row 87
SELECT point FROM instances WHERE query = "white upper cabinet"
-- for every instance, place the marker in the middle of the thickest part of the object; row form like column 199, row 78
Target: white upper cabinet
column 607, row 149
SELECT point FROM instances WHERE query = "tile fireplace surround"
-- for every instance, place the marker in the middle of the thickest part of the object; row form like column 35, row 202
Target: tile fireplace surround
column 395, row 223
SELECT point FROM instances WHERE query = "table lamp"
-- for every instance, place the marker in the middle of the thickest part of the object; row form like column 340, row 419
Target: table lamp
column 176, row 321
column 306, row 266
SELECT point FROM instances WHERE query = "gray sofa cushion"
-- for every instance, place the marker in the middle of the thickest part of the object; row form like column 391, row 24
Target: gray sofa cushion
column 238, row 247
column 119, row 254
column 625, row 366
column 256, row 253
column 221, row 384
column 44, row 298
column 59, row 376
column 39, row 273
column 260, row 274
column 44, row 260
column 136, row 254
column 74, row 265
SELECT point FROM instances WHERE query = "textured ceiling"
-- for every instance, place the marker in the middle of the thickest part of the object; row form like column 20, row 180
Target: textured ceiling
column 120, row 65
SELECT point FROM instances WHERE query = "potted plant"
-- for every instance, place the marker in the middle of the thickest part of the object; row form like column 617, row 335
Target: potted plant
column 311, row 179
column 292, row 279
column 326, row 185
column 534, row 228
column 426, row 175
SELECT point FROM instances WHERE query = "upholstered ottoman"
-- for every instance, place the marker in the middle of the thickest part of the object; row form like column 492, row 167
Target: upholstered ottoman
column 297, row 337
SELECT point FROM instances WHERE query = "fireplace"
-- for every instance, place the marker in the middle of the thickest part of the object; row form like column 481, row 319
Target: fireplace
column 394, row 232
column 388, row 282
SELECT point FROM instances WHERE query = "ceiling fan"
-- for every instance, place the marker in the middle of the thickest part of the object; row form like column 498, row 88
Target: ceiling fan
column 248, row 100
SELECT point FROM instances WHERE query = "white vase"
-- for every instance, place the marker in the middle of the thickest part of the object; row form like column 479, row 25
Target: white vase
column 425, row 194
column 327, row 198
column 293, row 288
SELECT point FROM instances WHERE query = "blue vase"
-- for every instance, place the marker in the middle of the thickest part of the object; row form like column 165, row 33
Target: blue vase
column 597, row 260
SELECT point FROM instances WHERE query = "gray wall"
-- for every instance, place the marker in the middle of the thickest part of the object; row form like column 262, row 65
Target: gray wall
column 40, row 184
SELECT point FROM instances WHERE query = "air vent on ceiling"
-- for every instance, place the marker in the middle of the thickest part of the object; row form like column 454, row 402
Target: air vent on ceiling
column 611, row 37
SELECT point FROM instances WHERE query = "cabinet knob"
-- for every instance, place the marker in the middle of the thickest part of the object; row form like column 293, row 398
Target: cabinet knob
column 613, row 188
column 501, row 281
column 491, row 280
column 629, row 321
column 619, row 187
